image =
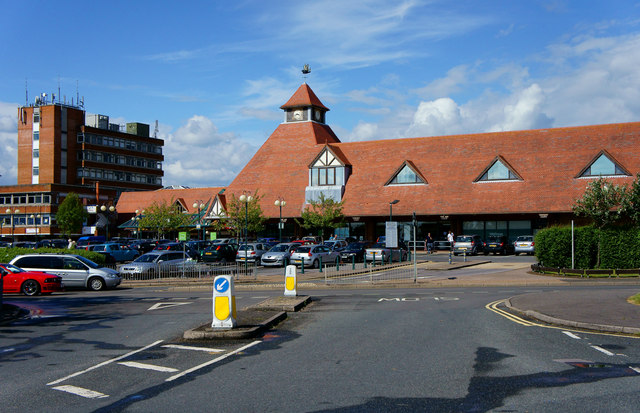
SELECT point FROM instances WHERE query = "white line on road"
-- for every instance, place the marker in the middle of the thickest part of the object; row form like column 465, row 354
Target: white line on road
column 198, row 367
column 636, row 369
column 79, row 391
column 571, row 335
column 104, row 363
column 607, row 352
column 144, row 366
column 207, row 349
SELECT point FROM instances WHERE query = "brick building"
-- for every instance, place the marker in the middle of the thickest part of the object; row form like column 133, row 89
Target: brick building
column 62, row 149
column 502, row 183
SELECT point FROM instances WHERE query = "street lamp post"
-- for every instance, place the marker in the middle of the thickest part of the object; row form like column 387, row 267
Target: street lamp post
column 391, row 204
column 111, row 209
column 35, row 219
column 246, row 199
column 13, row 223
column 137, row 219
column 280, row 202
column 199, row 205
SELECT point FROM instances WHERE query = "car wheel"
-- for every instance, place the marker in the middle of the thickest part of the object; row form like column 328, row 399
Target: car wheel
column 316, row 264
column 96, row 284
column 30, row 287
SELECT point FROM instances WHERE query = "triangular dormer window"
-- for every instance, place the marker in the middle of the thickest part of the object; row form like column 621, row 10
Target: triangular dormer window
column 328, row 168
column 217, row 210
column 603, row 165
column 407, row 174
column 498, row 170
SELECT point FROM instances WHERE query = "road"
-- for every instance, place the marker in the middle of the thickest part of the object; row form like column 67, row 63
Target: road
column 350, row 350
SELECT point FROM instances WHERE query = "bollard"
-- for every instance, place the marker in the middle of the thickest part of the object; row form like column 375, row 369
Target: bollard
column 337, row 263
column 321, row 263
column 449, row 257
column 364, row 260
column 224, row 302
column 290, row 281
column 373, row 262
column 353, row 262
column 464, row 256
column 302, row 266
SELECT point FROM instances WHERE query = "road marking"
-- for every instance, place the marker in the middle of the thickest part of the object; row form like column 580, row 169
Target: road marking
column 607, row 352
column 207, row 349
column 446, row 298
column 162, row 306
column 198, row 367
column 636, row 369
column 494, row 307
column 104, row 363
column 79, row 391
column 144, row 366
column 571, row 335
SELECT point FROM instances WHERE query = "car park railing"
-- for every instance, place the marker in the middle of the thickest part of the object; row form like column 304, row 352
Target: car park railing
column 356, row 273
column 196, row 271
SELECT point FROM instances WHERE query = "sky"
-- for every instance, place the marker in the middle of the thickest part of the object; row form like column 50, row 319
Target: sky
column 215, row 73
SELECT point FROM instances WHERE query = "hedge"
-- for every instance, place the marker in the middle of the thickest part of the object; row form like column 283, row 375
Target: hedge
column 7, row 254
column 619, row 247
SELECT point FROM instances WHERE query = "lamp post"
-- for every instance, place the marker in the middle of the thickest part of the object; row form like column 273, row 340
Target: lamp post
column 13, row 223
column 137, row 218
column 280, row 202
column 199, row 205
column 35, row 219
column 246, row 199
column 391, row 204
column 111, row 209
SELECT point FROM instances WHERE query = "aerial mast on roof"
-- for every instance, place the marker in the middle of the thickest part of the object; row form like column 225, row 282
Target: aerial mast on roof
column 305, row 71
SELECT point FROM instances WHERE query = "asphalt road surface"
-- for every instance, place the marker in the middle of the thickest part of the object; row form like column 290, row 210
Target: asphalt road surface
column 350, row 350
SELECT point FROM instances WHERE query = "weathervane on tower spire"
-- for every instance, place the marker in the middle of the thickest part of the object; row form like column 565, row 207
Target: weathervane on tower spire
column 305, row 71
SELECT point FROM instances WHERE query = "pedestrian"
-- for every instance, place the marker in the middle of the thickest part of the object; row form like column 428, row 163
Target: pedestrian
column 450, row 239
column 71, row 245
column 429, row 243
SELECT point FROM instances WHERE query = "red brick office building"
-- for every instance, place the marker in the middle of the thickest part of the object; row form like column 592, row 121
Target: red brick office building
column 502, row 183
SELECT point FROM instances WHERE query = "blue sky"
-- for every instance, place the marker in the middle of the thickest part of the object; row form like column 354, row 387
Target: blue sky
column 214, row 74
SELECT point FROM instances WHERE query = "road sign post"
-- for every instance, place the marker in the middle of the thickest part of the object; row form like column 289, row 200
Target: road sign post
column 224, row 303
column 290, row 281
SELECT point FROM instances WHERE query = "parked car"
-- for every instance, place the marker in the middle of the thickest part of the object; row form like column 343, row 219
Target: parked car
column 336, row 245
column 468, row 244
column 355, row 250
column 279, row 254
column 25, row 244
column 225, row 241
column 75, row 270
column 497, row 245
column 157, row 261
column 222, row 253
column 524, row 244
column 251, row 252
column 90, row 240
column 115, row 252
column 17, row 280
column 312, row 255
column 198, row 247
column 177, row 246
column 142, row 246
column 381, row 250
column 53, row 243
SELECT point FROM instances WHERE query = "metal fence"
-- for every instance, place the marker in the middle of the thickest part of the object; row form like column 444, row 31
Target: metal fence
column 196, row 271
column 360, row 273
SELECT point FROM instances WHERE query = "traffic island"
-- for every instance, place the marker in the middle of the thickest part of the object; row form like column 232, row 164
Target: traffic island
column 283, row 303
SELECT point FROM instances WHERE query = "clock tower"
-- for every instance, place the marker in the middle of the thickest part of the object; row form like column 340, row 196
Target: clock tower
column 304, row 106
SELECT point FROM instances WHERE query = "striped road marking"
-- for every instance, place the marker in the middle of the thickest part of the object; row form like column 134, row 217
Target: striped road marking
column 602, row 350
column 205, row 349
column 145, row 366
column 79, row 391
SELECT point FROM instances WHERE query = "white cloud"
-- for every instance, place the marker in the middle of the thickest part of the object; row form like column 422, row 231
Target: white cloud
column 198, row 155
column 8, row 143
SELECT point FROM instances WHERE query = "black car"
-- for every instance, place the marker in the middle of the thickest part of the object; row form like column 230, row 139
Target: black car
column 142, row 246
column 497, row 245
column 355, row 250
column 222, row 253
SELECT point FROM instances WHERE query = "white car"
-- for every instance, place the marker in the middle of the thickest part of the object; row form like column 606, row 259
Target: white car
column 524, row 244
column 313, row 255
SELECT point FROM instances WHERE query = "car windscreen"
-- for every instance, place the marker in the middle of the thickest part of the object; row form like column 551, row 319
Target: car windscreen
column 245, row 248
column 280, row 248
column 379, row 245
column 355, row 246
column 88, row 262
column 524, row 238
column 146, row 258
column 303, row 249
column 461, row 238
column 13, row 268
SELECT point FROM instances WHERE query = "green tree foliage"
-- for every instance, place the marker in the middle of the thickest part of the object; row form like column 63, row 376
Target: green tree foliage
column 631, row 202
column 71, row 214
column 322, row 214
column 241, row 213
column 164, row 217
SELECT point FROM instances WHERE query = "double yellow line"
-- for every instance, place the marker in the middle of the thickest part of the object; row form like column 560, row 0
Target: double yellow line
column 494, row 307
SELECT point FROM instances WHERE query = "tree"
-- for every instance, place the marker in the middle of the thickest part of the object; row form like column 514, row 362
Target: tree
column 602, row 203
column 71, row 214
column 321, row 214
column 241, row 213
column 631, row 202
column 164, row 217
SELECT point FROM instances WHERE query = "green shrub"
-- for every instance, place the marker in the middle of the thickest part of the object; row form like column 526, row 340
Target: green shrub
column 7, row 254
column 620, row 248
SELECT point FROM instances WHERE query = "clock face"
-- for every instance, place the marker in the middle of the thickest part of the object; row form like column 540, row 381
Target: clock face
column 297, row 115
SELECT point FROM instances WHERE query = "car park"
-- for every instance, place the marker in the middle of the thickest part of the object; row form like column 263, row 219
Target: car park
column 155, row 262
column 251, row 252
column 336, row 245
column 497, row 245
column 313, row 255
column 279, row 255
column 115, row 252
column 468, row 244
column 75, row 270
column 524, row 244
column 222, row 253
column 17, row 280
column 354, row 251
column 378, row 250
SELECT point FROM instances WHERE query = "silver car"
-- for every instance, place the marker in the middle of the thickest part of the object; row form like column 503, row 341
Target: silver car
column 75, row 270
column 155, row 262
column 380, row 252
column 524, row 244
column 278, row 254
column 251, row 252
column 313, row 256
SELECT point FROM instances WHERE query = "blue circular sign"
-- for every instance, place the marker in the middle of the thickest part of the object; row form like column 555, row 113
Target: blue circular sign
column 221, row 285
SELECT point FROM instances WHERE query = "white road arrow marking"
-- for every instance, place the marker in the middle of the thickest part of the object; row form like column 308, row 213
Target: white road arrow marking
column 162, row 306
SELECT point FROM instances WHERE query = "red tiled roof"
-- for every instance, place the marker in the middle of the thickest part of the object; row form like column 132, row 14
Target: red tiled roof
column 304, row 96
column 130, row 201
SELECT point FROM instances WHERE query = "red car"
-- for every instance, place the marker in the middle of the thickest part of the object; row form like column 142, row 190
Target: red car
column 17, row 280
